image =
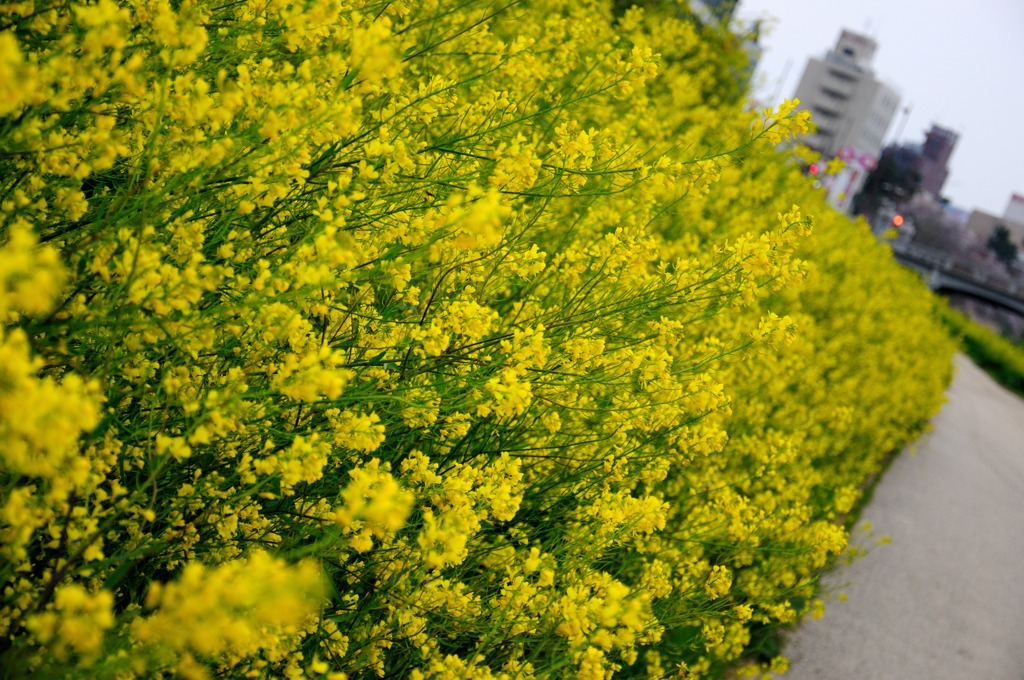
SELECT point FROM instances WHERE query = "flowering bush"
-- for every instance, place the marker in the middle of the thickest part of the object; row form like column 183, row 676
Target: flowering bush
column 411, row 339
column 999, row 356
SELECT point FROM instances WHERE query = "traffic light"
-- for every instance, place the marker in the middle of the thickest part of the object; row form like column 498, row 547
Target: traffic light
column 813, row 169
column 897, row 220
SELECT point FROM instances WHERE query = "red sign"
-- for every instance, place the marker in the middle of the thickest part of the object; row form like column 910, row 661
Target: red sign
column 854, row 156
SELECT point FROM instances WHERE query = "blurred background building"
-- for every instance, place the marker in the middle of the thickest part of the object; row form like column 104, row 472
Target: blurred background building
column 905, row 172
column 849, row 105
column 986, row 225
column 933, row 159
column 1015, row 209
column 851, row 108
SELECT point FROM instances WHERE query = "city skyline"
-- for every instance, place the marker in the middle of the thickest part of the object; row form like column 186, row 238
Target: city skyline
column 952, row 68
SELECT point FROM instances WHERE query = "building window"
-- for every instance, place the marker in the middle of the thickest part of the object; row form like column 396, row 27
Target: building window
column 842, row 75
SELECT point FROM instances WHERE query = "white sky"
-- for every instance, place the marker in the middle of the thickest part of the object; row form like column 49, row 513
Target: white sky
column 959, row 65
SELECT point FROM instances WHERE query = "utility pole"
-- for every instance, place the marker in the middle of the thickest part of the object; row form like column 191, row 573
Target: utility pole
column 903, row 123
column 781, row 83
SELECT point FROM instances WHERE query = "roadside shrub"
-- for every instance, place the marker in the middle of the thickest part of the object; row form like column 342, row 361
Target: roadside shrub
column 421, row 340
column 1000, row 357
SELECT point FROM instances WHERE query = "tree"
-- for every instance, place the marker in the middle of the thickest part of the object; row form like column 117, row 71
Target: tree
column 894, row 181
column 999, row 242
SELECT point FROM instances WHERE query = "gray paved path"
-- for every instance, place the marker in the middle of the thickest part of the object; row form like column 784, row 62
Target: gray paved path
column 945, row 600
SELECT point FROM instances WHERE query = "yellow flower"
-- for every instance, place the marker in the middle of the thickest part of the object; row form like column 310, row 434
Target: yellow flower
column 374, row 503
column 75, row 623
column 18, row 81
column 235, row 609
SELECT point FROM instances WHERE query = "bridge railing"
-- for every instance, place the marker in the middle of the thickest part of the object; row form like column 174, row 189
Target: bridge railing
column 946, row 263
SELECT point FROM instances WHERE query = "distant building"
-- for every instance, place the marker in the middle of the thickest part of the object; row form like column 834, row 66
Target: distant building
column 984, row 224
column 933, row 161
column 849, row 105
column 1015, row 209
column 851, row 109
column 910, row 170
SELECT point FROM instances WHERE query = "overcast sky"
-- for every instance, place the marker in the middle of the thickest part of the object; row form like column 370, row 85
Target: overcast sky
column 961, row 68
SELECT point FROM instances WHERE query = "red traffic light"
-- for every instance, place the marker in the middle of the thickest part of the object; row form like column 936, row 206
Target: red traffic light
column 897, row 220
column 813, row 168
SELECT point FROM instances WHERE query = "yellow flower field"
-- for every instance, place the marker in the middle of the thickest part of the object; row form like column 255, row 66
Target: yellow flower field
column 419, row 339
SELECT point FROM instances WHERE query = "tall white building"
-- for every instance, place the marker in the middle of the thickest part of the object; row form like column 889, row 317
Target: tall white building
column 852, row 110
column 849, row 105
